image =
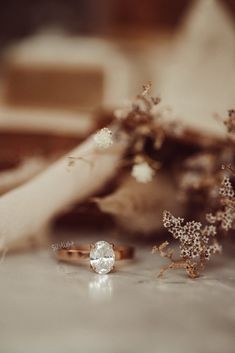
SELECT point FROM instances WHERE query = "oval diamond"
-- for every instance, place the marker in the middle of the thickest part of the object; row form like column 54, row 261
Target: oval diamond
column 102, row 257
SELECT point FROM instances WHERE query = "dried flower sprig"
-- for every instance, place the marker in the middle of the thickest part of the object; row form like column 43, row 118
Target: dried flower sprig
column 224, row 217
column 138, row 124
column 141, row 122
column 229, row 122
column 196, row 242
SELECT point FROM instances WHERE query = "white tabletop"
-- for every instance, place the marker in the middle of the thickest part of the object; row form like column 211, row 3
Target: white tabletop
column 52, row 307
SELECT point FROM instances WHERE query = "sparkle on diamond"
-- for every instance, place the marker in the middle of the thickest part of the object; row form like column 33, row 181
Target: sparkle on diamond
column 102, row 257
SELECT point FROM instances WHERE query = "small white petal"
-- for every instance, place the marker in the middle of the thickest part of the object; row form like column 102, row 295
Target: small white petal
column 142, row 172
column 122, row 113
column 103, row 138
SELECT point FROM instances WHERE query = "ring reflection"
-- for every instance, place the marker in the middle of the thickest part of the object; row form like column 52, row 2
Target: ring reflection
column 100, row 288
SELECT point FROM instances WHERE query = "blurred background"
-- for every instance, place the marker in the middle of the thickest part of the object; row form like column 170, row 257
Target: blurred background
column 104, row 17
column 87, row 17
column 65, row 65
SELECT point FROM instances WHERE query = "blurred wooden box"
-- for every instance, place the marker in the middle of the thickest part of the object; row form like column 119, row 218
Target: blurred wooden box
column 54, row 86
column 57, row 71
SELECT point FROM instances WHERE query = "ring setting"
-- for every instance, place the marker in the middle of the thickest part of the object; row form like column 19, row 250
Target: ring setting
column 102, row 255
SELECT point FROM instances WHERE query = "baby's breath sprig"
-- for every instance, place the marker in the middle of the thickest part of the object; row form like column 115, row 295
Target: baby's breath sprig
column 139, row 124
column 229, row 122
column 196, row 243
column 224, row 217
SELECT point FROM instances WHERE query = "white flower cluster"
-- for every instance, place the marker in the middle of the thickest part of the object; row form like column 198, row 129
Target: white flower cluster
column 225, row 216
column 194, row 239
column 142, row 172
column 226, row 189
column 103, row 138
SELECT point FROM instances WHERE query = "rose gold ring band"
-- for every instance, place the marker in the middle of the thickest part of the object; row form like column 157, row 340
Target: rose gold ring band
column 82, row 252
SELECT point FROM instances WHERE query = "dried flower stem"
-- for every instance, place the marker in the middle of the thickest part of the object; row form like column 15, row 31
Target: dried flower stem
column 195, row 246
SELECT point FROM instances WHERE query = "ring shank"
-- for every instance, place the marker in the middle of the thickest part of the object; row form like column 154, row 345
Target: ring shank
column 82, row 252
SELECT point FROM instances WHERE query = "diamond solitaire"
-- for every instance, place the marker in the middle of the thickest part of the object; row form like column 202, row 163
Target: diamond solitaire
column 102, row 257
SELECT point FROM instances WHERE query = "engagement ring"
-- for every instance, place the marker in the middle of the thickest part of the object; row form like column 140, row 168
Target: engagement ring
column 102, row 255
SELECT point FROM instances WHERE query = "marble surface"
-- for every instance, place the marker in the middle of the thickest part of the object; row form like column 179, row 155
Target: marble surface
column 54, row 307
